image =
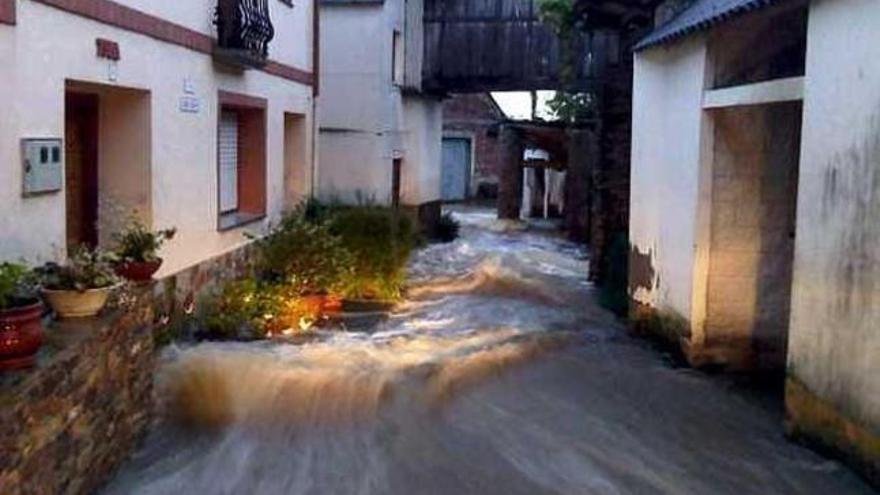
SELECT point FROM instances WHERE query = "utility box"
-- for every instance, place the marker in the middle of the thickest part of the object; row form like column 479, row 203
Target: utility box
column 42, row 160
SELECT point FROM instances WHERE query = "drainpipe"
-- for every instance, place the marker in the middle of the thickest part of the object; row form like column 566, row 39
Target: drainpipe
column 316, row 78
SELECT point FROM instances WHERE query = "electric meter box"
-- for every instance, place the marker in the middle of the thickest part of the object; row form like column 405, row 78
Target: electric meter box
column 43, row 163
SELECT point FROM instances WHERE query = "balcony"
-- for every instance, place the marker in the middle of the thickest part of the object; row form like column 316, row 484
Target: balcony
column 244, row 31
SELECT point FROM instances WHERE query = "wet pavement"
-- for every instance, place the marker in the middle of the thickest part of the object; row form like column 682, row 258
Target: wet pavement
column 498, row 375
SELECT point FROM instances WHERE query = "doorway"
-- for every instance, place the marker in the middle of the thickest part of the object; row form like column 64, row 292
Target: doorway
column 81, row 168
column 108, row 179
column 456, row 169
column 754, row 202
column 396, row 177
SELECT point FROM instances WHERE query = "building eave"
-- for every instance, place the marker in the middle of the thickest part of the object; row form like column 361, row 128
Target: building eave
column 701, row 16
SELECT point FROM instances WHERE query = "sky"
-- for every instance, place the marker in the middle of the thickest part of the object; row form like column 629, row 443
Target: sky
column 518, row 104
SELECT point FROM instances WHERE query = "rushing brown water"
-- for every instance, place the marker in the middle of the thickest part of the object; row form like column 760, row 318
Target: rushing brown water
column 498, row 375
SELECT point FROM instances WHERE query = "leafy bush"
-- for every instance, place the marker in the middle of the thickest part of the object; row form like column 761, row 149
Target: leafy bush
column 315, row 211
column 448, row 228
column 380, row 241
column 85, row 269
column 17, row 286
column 303, row 256
column 316, row 249
column 251, row 309
column 139, row 244
column 242, row 310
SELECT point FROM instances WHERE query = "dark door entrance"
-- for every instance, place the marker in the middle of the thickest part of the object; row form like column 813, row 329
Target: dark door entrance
column 397, row 165
column 81, row 168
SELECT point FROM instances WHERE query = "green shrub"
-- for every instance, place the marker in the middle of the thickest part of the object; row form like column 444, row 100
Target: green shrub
column 242, row 310
column 250, row 309
column 304, row 256
column 355, row 252
column 380, row 241
column 17, row 286
column 448, row 228
column 316, row 211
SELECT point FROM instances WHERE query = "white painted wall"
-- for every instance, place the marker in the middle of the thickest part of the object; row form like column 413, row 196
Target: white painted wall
column 366, row 121
column 421, row 176
column 834, row 346
column 666, row 163
column 49, row 46
column 354, row 103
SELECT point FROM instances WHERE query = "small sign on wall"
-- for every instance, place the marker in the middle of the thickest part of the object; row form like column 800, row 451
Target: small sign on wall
column 42, row 165
column 190, row 104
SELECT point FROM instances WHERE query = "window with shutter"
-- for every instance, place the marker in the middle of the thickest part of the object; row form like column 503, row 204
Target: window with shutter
column 241, row 160
column 227, row 150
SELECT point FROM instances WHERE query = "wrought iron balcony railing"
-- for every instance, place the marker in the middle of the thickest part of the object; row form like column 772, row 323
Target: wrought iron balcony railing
column 244, row 31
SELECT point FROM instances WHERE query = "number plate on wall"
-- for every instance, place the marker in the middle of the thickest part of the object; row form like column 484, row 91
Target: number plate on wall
column 43, row 163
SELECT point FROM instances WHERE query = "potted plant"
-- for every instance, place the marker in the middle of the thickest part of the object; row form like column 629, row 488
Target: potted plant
column 138, row 250
column 21, row 329
column 80, row 287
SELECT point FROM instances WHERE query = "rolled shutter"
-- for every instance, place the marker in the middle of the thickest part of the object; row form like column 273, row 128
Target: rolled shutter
column 228, row 158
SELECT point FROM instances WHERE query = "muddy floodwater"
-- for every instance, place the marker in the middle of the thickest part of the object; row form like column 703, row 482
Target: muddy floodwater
column 498, row 375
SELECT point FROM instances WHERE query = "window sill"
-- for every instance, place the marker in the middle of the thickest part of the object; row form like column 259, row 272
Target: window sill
column 236, row 219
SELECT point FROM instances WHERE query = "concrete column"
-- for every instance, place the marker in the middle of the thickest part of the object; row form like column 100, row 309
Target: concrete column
column 510, row 182
column 583, row 151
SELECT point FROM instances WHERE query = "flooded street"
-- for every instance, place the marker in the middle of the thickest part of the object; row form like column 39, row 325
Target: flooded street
column 498, row 375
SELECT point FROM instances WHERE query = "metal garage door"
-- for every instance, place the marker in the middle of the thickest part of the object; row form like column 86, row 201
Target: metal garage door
column 456, row 168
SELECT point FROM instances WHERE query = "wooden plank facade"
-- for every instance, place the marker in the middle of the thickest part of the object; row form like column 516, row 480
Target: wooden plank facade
column 497, row 45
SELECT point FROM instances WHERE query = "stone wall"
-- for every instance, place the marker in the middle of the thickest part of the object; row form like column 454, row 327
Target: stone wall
column 66, row 425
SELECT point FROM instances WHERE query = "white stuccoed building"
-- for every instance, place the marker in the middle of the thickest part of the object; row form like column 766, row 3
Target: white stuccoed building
column 111, row 106
column 380, row 136
column 755, row 210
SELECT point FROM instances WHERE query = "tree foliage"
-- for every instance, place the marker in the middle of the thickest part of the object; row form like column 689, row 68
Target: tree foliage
column 560, row 15
column 572, row 107
column 566, row 106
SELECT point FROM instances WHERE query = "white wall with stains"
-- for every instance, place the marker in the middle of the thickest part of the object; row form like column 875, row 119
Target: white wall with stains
column 834, row 347
column 665, row 174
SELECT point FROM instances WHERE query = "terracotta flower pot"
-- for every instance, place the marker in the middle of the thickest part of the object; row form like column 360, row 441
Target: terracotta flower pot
column 21, row 335
column 319, row 305
column 332, row 305
column 138, row 271
column 78, row 304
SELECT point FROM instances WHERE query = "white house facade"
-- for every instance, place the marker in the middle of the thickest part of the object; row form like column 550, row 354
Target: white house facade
column 380, row 136
column 755, row 229
column 118, row 107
